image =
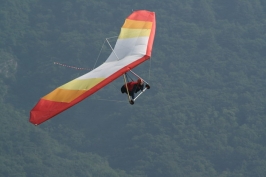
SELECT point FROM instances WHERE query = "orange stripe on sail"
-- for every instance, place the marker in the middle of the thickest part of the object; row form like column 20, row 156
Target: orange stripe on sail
column 133, row 24
column 63, row 95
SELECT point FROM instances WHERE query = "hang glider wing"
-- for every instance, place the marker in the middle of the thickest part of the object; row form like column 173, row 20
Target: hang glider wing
column 133, row 46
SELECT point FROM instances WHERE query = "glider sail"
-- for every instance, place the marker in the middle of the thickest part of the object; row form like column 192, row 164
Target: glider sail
column 133, row 46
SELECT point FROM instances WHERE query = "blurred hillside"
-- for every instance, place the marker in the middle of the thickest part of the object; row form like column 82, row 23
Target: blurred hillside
column 203, row 116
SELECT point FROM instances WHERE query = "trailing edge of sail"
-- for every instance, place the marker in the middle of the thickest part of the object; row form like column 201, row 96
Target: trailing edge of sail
column 133, row 46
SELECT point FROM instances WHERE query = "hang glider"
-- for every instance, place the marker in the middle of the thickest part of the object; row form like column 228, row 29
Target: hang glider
column 133, row 46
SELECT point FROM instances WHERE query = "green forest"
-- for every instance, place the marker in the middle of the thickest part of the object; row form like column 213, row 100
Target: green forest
column 204, row 116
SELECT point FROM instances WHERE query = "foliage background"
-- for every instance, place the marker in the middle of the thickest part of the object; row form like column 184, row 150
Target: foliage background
column 204, row 115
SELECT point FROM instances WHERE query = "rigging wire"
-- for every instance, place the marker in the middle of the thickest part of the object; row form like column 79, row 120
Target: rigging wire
column 98, row 55
column 128, row 76
column 150, row 70
column 69, row 66
column 102, row 49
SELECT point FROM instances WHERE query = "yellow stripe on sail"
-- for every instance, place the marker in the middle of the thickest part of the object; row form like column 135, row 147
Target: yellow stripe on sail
column 131, row 33
column 81, row 84
column 133, row 24
column 71, row 90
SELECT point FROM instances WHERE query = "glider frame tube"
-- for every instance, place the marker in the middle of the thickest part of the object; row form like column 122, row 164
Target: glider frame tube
column 126, row 87
column 140, row 94
column 143, row 81
column 138, row 76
